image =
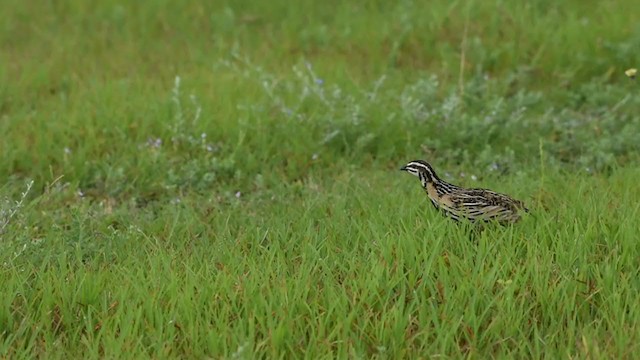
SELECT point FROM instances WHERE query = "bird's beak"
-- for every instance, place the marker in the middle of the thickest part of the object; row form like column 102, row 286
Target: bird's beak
column 404, row 168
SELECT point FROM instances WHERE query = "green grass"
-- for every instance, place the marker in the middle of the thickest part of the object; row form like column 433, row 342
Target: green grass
column 221, row 180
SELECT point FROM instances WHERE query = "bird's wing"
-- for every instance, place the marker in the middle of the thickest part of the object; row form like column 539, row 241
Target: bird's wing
column 482, row 204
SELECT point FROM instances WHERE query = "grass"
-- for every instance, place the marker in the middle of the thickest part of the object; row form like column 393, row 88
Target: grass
column 221, row 180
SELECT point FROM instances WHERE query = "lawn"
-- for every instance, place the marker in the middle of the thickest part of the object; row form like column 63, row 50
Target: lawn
column 221, row 180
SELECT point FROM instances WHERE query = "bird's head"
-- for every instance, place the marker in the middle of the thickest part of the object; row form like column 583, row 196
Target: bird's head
column 422, row 170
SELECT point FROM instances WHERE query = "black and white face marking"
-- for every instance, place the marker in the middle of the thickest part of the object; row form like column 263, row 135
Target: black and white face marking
column 422, row 170
column 411, row 169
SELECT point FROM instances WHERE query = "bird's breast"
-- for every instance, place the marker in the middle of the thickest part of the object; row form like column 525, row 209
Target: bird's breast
column 442, row 200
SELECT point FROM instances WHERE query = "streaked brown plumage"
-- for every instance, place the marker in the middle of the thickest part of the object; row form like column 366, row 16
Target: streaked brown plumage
column 457, row 202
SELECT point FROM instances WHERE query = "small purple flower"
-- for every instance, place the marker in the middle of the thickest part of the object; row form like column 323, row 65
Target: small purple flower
column 320, row 82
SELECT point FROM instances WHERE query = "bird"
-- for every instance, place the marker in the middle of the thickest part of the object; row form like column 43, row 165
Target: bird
column 459, row 203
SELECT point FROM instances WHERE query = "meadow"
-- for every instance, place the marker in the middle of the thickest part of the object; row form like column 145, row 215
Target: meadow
column 221, row 180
